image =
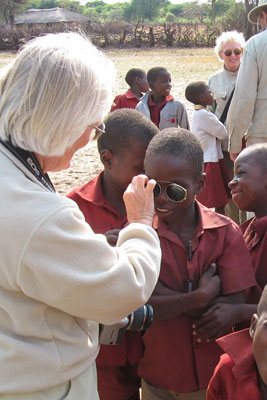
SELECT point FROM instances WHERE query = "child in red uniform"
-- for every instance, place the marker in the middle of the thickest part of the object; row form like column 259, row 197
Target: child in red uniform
column 211, row 132
column 137, row 81
column 242, row 371
column 122, row 150
column 158, row 105
column 176, row 362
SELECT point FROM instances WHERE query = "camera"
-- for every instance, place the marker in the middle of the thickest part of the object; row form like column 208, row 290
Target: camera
column 138, row 320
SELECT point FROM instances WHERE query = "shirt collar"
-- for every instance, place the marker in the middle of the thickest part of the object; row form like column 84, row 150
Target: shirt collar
column 207, row 219
column 238, row 346
column 130, row 95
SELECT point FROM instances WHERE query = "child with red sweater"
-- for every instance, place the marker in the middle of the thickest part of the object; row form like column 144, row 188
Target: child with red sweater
column 137, row 81
column 122, row 150
column 242, row 371
column 177, row 361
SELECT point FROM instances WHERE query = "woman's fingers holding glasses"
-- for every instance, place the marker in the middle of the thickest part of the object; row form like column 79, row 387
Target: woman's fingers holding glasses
column 139, row 201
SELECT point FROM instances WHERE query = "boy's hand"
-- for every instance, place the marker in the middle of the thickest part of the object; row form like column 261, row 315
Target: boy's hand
column 217, row 321
column 139, row 200
column 112, row 236
column 209, row 284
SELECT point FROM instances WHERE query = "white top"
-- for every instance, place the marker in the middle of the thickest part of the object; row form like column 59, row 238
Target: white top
column 59, row 280
column 247, row 114
column 210, row 131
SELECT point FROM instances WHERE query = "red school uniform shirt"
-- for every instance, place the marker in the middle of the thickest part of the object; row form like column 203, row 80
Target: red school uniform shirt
column 126, row 100
column 101, row 216
column 155, row 109
column 255, row 235
column 173, row 359
column 235, row 377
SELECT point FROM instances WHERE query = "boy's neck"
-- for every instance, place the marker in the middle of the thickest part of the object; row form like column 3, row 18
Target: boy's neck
column 136, row 91
column 157, row 98
column 199, row 106
column 114, row 195
column 262, row 386
column 185, row 225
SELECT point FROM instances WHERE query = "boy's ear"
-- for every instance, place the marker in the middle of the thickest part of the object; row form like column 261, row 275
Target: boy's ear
column 106, row 158
column 201, row 96
column 201, row 183
column 253, row 324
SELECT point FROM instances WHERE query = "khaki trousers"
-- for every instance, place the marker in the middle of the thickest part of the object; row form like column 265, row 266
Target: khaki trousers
column 79, row 388
column 151, row 392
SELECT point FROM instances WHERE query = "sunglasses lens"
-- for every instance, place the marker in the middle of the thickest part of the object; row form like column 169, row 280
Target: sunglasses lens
column 237, row 52
column 156, row 190
column 228, row 53
column 175, row 192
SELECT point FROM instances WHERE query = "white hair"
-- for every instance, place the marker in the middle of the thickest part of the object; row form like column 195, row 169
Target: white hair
column 228, row 37
column 57, row 86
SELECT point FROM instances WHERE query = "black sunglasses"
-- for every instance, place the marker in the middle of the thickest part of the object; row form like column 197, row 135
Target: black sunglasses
column 99, row 130
column 173, row 191
column 236, row 52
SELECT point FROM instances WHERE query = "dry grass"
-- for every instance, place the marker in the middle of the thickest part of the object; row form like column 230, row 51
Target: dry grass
column 185, row 66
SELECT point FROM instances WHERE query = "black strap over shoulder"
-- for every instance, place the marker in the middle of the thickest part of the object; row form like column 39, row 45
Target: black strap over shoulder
column 226, row 108
column 29, row 160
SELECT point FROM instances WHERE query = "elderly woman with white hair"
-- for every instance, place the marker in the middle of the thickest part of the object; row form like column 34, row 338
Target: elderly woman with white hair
column 59, row 280
column 229, row 49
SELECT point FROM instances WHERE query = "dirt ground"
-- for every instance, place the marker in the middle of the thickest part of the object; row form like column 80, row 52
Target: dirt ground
column 185, row 66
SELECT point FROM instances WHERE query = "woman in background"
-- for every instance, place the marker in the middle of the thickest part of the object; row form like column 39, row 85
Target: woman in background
column 229, row 48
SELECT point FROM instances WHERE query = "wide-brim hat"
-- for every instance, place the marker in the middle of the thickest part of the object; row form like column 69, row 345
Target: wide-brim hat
column 253, row 14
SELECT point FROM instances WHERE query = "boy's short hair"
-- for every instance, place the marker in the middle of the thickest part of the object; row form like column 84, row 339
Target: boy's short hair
column 179, row 143
column 262, row 306
column 124, row 126
column 153, row 73
column 259, row 152
column 134, row 73
column 193, row 90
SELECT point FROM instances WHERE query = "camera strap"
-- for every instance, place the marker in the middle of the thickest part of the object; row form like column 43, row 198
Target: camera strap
column 29, row 160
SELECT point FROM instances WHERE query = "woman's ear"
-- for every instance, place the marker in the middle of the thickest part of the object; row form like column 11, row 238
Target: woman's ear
column 201, row 183
column 253, row 325
column 106, row 158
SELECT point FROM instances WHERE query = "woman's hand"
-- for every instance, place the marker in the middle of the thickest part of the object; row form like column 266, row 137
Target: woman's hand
column 139, row 200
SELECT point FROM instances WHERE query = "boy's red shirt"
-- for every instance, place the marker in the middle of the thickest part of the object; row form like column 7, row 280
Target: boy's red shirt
column 235, row 377
column 126, row 100
column 155, row 109
column 102, row 217
column 173, row 358
column 255, row 235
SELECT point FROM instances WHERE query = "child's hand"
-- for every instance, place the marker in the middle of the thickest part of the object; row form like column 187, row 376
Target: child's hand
column 112, row 236
column 217, row 321
column 209, row 284
column 139, row 200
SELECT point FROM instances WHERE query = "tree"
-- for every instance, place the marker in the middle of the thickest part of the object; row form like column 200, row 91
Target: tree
column 141, row 10
column 10, row 8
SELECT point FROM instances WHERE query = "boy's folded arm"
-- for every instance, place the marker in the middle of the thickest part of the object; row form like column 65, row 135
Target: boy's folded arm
column 168, row 303
column 224, row 313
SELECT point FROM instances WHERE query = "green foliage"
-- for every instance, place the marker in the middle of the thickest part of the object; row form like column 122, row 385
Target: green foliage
column 145, row 10
column 10, row 8
column 234, row 18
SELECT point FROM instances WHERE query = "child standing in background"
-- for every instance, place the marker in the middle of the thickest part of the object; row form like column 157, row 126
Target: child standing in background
column 178, row 362
column 210, row 132
column 158, row 105
column 137, row 81
column 122, row 150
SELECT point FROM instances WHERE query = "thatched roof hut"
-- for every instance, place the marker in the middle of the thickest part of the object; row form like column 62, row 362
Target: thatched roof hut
column 50, row 17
